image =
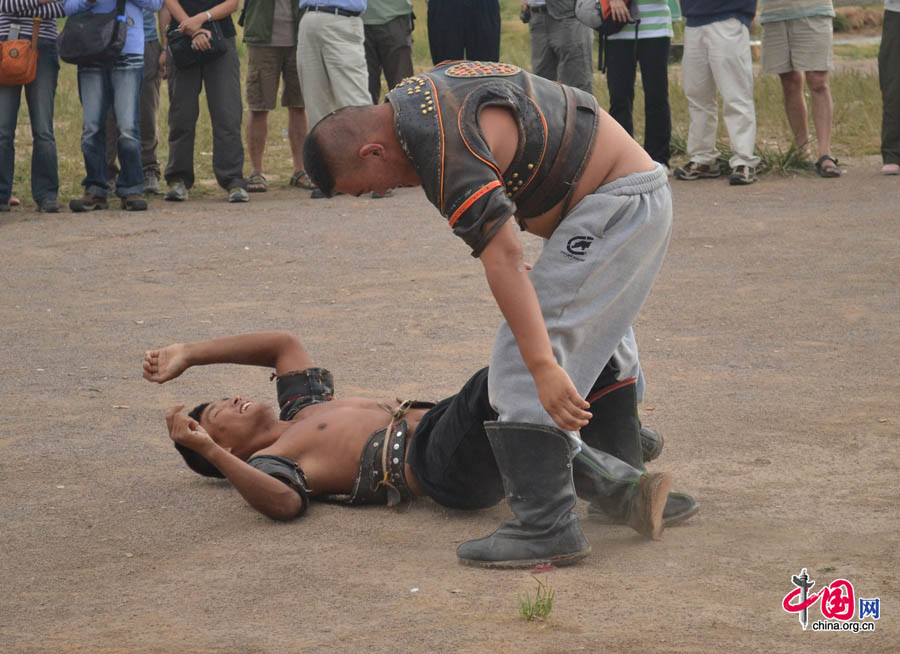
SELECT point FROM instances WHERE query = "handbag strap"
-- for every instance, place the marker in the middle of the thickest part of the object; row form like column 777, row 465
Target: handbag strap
column 35, row 28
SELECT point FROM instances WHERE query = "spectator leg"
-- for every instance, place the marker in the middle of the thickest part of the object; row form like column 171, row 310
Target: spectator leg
column 396, row 58
column 222, row 78
column 345, row 62
column 40, row 95
column 150, row 108
column 125, row 83
column 653, row 56
column 481, row 31
column 889, row 78
column 543, row 58
column 94, row 92
column 573, row 41
column 297, row 130
column 795, row 108
column 10, row 99
column 732, row 68
column 184, row 108
column 620, row 74
column 446, row 23
column 257, row 133
column 373, row 36
column 700, row 91
column 822, row 108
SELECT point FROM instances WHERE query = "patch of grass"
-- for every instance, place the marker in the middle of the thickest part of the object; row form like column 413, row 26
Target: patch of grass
column 851, row 52
column 542, row 604
column 829, row 568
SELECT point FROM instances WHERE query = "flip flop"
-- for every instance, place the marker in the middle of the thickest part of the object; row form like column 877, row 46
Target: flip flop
column 14, row 201
column 256, row 183
column 827, row 170
column 301, row 179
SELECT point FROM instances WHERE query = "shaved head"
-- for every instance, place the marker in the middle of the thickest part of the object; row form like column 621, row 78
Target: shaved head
column 332, row 146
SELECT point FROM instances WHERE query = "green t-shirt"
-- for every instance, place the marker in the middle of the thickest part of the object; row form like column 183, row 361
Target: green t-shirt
column 378, row 12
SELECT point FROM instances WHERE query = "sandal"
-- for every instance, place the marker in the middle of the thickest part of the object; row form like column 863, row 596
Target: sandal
column 825, row 169
column 257, row 183
column 301, row 179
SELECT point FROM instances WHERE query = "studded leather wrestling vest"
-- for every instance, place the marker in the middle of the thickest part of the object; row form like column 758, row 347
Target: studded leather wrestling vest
column 436, row 118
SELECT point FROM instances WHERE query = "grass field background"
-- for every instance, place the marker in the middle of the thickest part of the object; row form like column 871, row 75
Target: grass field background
column 857, row 101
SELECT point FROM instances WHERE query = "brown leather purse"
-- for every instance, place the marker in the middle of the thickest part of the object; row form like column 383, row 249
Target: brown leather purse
column 18, row 57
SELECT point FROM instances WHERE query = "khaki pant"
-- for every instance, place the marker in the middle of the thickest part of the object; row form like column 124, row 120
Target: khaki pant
column 331, row 62
column 717, row 56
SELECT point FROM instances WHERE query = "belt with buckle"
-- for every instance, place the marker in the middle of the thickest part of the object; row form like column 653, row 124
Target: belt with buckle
column 329, row 9
column 542, row 9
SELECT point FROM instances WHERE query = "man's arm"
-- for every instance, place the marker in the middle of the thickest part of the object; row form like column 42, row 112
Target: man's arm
column 279, row 350
column 264, row 493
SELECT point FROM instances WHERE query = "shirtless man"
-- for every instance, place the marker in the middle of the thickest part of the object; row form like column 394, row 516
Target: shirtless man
column 489, row 142
column 334, row 449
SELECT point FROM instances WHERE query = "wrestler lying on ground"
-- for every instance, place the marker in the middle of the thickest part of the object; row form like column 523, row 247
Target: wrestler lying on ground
column 359, row 451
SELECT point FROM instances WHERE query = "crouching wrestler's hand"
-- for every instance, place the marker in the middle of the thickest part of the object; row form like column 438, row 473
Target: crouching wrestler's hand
column 186, row 431
column 560, row 398
column 165, row 364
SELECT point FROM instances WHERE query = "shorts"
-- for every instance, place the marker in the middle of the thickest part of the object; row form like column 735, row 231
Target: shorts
column 267, row 64
column 450, row 453
column 800, row 44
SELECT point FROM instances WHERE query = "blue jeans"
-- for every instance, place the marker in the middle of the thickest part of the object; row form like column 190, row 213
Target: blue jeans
column 39, row 95
column 119, row 87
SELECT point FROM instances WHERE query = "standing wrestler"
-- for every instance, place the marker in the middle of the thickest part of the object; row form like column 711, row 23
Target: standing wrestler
column 489, row 142
column 356, row 450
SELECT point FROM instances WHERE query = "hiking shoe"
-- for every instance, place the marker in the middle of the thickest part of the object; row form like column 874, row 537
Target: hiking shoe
column 742, row 176
column 177, row 192
column 238, row 194
column 890, row 169
column 87, row 202
column 48, row 206
column 134, row 203
column 151, row 184
column 693, row 171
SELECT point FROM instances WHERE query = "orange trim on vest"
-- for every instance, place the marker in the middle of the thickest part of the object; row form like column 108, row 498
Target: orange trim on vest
column 473, row 199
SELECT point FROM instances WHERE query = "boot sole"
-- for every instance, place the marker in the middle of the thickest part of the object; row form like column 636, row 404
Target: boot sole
column 558, row 561
column 654, row 495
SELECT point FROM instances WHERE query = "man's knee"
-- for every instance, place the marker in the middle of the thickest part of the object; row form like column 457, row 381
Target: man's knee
column 792, row 83
column 817, row 81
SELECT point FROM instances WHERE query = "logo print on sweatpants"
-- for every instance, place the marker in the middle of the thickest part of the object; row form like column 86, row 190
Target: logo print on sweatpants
column 578, row 245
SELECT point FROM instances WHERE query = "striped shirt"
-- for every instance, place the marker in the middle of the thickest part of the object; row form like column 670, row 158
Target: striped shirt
column 22, row 13
column 656, row 22
column 774, row 10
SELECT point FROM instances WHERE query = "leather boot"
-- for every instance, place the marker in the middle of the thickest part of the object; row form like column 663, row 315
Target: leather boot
column 616, row 429
column 637, row 497
column 535, row 464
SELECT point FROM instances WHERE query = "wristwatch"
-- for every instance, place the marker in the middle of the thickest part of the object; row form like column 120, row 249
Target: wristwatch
column 208, row 16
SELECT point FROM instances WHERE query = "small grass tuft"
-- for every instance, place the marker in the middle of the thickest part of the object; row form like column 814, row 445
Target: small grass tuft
column 541, row 606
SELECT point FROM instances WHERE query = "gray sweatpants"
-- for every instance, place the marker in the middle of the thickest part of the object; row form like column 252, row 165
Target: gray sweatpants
column 591, row 279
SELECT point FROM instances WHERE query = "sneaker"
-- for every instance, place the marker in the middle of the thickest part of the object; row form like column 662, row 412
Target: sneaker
column 151, row 184
column 742, row 176
column 693, row 171
column 890, row 169
column 87, row 202
column 177, row 192
column 134, row 203
column 386, row 194
column 238, row 194
column 48, row 206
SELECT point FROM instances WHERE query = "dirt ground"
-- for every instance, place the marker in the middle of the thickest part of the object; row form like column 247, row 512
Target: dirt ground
column 771, row 347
